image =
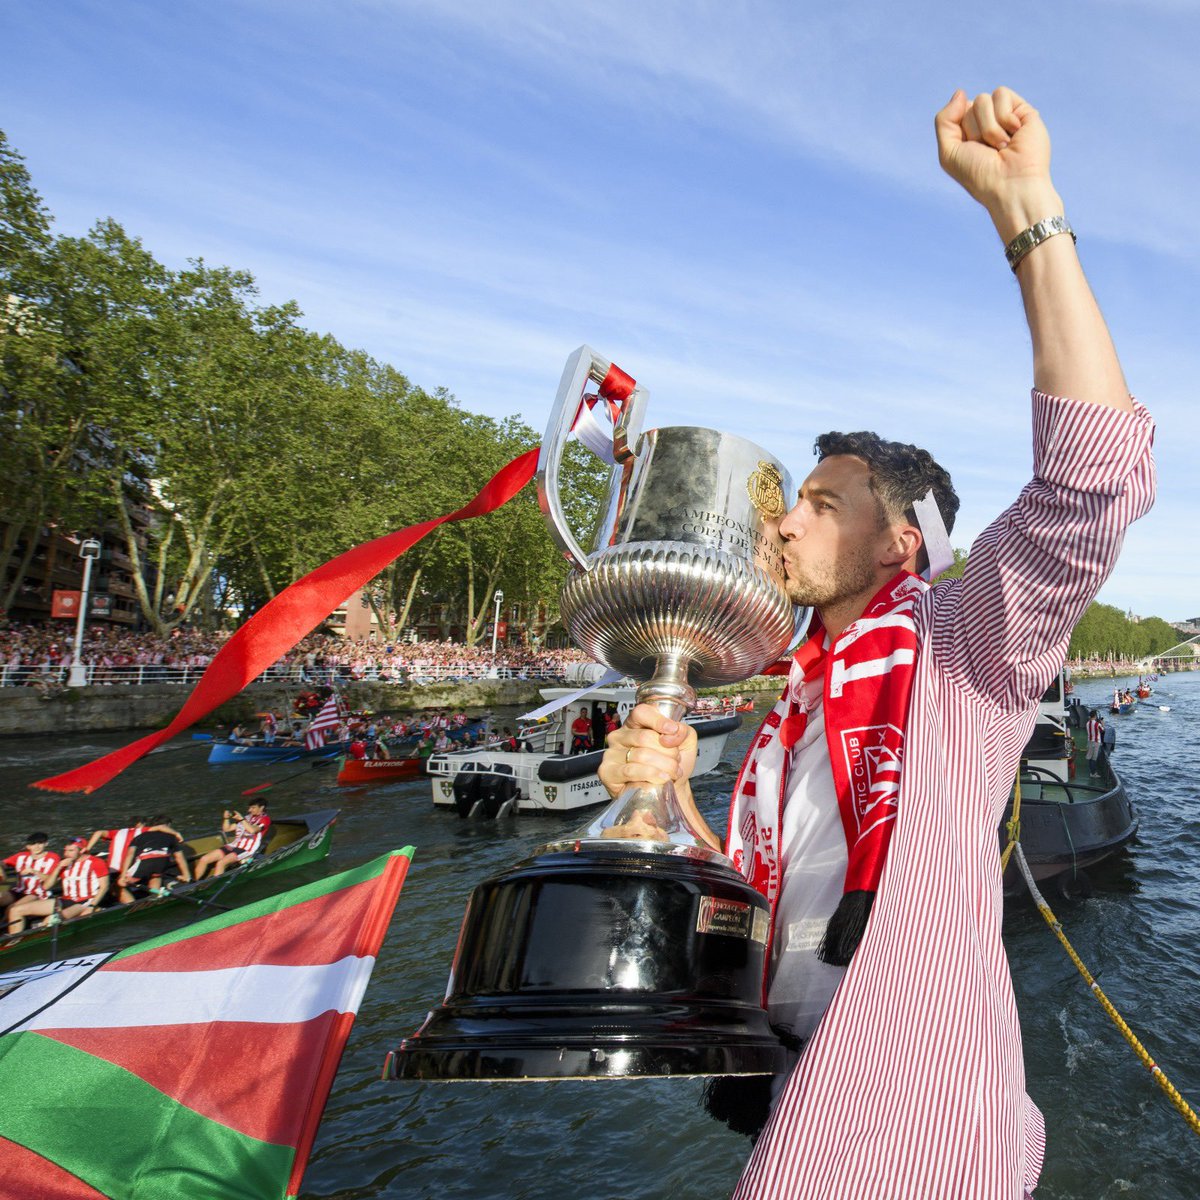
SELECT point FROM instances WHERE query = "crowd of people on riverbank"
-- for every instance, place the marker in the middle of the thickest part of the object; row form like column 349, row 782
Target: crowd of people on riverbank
column 40, row 655
column 1112, row 668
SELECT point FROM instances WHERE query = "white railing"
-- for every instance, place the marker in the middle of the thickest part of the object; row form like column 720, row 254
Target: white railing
column 159, row 673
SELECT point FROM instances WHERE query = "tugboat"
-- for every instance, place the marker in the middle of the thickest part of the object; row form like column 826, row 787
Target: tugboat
column 1070, row 819
column 541, row 774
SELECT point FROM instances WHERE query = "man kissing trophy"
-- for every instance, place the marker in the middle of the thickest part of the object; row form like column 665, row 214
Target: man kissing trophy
column 633, row 948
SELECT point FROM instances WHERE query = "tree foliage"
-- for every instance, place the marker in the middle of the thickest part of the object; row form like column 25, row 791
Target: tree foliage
column 1106, row 632
column 230, row 449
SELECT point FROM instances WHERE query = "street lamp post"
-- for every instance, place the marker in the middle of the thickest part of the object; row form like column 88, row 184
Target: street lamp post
column 89, row 552
column 499, row 599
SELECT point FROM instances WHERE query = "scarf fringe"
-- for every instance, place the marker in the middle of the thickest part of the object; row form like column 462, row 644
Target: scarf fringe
column 846, row 928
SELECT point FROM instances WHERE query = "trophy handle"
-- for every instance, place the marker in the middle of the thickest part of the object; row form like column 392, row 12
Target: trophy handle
column 583, row 367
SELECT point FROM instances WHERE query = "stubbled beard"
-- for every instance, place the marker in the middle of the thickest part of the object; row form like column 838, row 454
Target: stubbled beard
column 832, row 582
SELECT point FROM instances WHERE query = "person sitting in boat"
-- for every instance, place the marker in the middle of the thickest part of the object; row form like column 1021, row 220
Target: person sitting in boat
column 876, row 781
column 508, row 740
column 612, row 721
column 29, row 865
column 237, row 736
column 442, row 743
column 248, row 832
column 268, row 727
column 155, row 859
column 118, row 842
column 82, row 879
column 357, row 748
column 581, row 733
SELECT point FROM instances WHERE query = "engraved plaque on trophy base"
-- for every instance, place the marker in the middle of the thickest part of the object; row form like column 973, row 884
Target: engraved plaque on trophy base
column 606, row 963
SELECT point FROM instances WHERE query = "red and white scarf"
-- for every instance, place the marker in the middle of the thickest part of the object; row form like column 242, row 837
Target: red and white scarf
column 868, row 674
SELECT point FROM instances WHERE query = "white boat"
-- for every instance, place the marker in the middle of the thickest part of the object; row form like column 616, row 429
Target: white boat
column 544, row 776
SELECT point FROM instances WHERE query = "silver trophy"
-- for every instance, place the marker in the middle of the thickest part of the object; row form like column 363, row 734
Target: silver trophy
column 684, row 585
column 619, row 952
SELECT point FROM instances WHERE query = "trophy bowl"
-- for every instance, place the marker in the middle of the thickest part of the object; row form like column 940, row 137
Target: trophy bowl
column 606, row 955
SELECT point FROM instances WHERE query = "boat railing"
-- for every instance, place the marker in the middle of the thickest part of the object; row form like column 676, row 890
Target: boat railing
column 1035, row 781
column 483, row 763
column 543, row 738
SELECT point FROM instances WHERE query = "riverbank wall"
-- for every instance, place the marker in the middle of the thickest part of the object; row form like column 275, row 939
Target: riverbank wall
column 26, row 711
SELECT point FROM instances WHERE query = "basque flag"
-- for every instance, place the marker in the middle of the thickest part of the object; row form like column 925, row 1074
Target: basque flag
column 196, row 1064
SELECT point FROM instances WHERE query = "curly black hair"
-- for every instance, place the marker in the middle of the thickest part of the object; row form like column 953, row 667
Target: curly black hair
column 900, row 474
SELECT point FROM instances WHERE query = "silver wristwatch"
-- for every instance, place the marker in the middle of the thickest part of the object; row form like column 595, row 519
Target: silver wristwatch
column 1035, row 235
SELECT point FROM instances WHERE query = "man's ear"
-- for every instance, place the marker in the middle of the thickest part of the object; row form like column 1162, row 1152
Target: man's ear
column 905, row 548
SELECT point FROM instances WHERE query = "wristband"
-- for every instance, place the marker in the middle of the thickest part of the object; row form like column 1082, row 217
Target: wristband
column 1035, row 235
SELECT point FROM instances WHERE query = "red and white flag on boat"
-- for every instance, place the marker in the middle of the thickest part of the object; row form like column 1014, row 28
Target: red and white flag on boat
column 328, row 718
column 196, row 1064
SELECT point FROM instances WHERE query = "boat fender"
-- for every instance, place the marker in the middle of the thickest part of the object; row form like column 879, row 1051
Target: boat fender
column 466, row 791
column 562, row 768
column 1074, row 886
column 717, row 725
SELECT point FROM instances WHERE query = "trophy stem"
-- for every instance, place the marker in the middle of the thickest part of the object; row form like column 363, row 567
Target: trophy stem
column 652, row 816
column 668, row 688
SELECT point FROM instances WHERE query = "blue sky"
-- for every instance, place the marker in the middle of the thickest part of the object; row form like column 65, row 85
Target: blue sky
column 739, row 203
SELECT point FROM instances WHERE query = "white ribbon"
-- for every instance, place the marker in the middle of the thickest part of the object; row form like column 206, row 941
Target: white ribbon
column 553, row 706
column 933, row 529
column 592, row 434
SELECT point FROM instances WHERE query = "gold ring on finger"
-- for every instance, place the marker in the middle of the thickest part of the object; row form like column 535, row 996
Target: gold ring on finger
column 628, row 753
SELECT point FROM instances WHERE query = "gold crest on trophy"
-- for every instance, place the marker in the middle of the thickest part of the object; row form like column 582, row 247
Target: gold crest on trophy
column 766, row 490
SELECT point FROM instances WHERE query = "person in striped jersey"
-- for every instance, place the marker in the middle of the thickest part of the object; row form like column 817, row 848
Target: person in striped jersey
column 247, row 837
column 889, row 976
column 81, row 877
column 118, row 842
column 30, row 865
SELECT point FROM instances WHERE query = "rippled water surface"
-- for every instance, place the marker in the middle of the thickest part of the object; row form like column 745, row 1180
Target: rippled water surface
column 1112, row 1133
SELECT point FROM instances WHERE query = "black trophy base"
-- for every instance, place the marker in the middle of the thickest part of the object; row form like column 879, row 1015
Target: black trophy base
column 605, row 962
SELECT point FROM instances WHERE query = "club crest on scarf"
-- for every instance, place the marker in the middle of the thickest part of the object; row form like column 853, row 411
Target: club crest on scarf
column 874, row 755
column 868, row 675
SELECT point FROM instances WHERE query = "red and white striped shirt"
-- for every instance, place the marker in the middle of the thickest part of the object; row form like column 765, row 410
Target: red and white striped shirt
column 29, row 866
column 81, row 880
column 249, row 834
column 118, row 843
column 1093, row 729
column 913, row 1085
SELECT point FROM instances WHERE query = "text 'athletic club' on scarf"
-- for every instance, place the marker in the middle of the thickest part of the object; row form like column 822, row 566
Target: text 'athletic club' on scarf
column 868, row 674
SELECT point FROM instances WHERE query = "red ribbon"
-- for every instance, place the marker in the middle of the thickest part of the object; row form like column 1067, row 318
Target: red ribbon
column 290, row 616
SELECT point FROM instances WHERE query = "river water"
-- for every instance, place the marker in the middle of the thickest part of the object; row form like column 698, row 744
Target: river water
column 1111, row 1131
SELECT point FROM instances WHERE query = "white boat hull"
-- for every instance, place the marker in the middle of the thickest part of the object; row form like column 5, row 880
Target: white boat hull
column 551, row 781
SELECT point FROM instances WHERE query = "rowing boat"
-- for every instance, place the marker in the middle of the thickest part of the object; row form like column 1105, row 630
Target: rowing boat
column 256, row 752
column 378, row 770
column 294, row 842
column 403, row 765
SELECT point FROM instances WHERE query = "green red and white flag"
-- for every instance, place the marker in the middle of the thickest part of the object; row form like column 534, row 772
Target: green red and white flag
column 196, row 1064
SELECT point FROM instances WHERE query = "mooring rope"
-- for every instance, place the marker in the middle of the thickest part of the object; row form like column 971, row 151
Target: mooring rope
column 1172, row 1092
column 1013, row 827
